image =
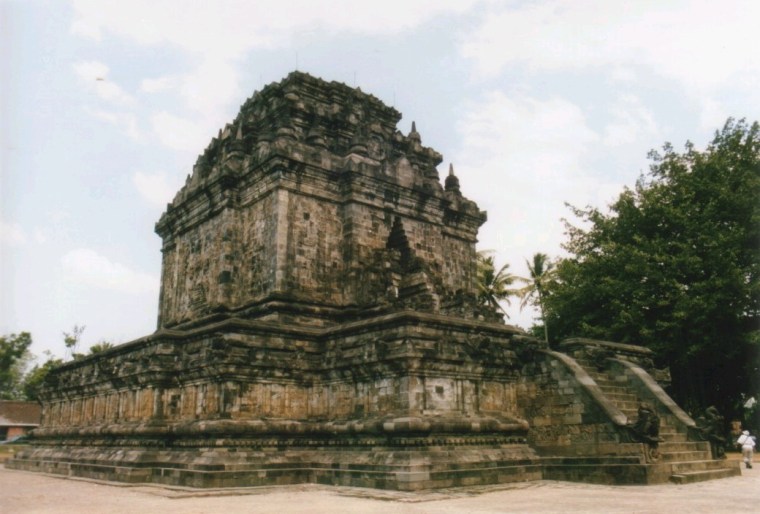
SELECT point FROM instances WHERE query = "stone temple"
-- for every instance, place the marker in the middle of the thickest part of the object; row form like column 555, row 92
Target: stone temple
column 318, row 323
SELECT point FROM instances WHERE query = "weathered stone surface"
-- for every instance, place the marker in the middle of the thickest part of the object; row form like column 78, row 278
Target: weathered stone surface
column 313, row 196
column 318, row 323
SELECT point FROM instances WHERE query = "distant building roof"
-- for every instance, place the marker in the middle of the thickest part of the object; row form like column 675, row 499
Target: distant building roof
column 20, row 414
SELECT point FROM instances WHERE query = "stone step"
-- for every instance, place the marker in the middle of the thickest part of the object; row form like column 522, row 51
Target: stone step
column 603, row 375
column 674, row 447
column 667, row 432
column 697, row 465
column 621, row 396
column 630, row 408
column 622, row 392
column 684, row 456
column 617, row 390
column 673, row 437
column 666, row 426
column 691, row 461
column 665, row 420
column 701, row 476
column 684, row 446
column 605, row 381
column 613, row 381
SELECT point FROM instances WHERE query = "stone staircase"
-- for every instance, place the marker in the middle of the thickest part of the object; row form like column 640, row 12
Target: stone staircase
column 680, row 460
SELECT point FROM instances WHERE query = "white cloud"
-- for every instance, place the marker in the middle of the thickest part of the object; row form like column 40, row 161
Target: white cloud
column 210, row 87
column 125, row 121
column 712, row 114
column 86, row 266
column 85, row 27
column 40, row 236
column 522, row 158
column 631, row 120
column 94, row 75
column 206, row 90
column 179, row 133
column 91, row 70
column 525, row 157
column 158, row 84
column 622, row 75
column 526, row 136
column 156, row 188
column 703, row 45
column 233, row 27
column 12, row 234
column 218, row 34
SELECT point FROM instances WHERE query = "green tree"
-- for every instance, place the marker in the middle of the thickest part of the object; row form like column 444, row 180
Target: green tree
column 14, row 357
column 493, row 286
column 100, row 347
column 71, row 341
column 675, row 266
column 35, row 379
column 541, row 273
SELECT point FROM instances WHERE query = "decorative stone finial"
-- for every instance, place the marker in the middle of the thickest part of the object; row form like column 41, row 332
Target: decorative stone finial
column 236, row 146
column 414, row 135
column 452, row 182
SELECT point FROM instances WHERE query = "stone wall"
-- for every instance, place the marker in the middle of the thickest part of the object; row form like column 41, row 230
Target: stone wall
column 565, row 418
column 399, row 365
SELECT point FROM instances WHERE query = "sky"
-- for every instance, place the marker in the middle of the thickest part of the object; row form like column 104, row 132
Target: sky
column 105, row 105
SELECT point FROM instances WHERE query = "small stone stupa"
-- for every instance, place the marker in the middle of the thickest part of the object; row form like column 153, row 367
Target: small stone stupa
column 318, row 322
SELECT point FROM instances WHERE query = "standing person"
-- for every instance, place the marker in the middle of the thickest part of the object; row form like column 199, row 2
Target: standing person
column 747, row 442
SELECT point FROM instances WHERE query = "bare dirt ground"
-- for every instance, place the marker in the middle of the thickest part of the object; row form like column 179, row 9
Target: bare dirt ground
column 27, row 493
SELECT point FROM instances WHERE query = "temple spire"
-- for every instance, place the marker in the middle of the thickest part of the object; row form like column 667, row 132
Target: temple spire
column 414, row 135
column 452, row 182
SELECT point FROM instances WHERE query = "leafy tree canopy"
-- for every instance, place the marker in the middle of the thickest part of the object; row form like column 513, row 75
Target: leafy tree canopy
column 14, row 356
column 17, row 380
column 34, row 380
column 100, row 347
column 541, row 271
column 493, row 286
column 71, row 341
column 675, row 266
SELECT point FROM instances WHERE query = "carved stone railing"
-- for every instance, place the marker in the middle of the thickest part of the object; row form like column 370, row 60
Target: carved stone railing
column 637, row 365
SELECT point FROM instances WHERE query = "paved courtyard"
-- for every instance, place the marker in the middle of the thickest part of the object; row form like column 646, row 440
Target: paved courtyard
column 26, row 493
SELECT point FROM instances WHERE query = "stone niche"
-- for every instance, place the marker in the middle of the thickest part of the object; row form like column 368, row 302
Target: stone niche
column 318, row 323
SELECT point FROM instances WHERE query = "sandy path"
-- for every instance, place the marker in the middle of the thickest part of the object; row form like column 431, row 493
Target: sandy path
column 23, row 492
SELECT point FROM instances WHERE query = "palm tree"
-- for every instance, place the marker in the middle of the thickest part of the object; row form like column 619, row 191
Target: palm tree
column 541, row 271
column 493, row 286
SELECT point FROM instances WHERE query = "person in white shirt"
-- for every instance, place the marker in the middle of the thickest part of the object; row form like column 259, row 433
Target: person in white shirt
column 747, row 442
